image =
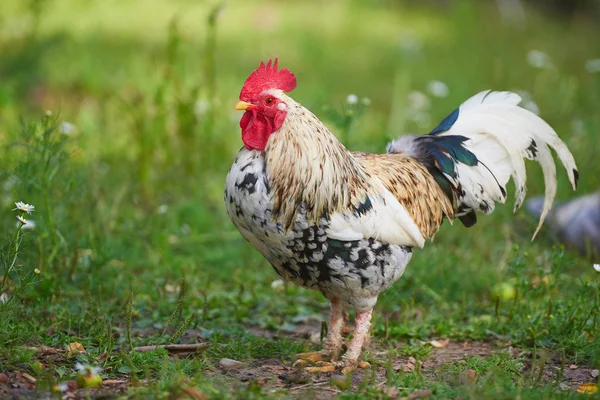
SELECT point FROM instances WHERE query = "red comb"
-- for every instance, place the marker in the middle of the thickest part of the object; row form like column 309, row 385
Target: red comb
column 267, row 77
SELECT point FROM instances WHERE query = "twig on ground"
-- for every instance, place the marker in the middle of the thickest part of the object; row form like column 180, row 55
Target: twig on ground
column 174, row 348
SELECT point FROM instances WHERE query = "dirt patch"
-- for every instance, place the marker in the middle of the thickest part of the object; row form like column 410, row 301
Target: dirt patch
column 273, row 375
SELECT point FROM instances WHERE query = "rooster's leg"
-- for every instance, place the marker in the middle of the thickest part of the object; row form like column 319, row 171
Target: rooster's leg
column 347, row 327
column 333, row 342
column 349, row 361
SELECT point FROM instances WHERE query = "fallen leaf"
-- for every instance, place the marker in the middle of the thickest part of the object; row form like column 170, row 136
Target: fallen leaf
column 439, row 344
column 228, row 363
column 588, row 388
column 420, row 394
column 194, row 393
column 468, row 377
column 113, row 382
column 594, row 373
column 74, row 349
column 390, row 391
column 29, row 377
column 573, row 366
column 3, row 378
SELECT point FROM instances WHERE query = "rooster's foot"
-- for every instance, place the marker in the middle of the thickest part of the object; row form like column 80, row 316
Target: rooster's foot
column 311, row 358
column 327, row 367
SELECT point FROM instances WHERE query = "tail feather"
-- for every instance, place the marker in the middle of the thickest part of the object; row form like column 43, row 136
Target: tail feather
column 484, row 143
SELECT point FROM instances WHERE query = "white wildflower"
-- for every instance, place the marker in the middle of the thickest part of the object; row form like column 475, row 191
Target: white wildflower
column 37, row 271
column 48, row 113
column 410, row 43
column 366, row 101
column 63, row 387
column 597, row 267
column 352, row 99
column 592, row 66
column 438, row 89
column 80, row 367
column 28, row 208
column 527, row 102
column 531, row 106
column 201, row 107
column 3, row 298
column 27, row 225
column 22, row 220
column 538, row 59
column 162, row 209
column 66, row 128
column 278, row 285
column 418, row 100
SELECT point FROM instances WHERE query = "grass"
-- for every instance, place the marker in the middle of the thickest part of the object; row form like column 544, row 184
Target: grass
column 131, row 238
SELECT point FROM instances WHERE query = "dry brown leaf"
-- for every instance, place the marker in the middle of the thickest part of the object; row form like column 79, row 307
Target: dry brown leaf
column 420, row 394
column 3, row 378
column 114, row 382
column 74, row 349
column 439, row 344
column 390, row 391
column 588, row 388
column 194, row 393
column 468, row 377
column 28, row 377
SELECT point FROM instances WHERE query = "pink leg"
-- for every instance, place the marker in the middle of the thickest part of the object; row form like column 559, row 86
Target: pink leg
column 333, row 343
column 361, row 334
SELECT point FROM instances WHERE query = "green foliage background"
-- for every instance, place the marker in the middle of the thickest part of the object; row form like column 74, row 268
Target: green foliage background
column 130, row 202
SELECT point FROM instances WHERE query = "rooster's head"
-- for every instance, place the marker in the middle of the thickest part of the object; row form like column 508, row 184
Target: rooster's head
column 262, row 99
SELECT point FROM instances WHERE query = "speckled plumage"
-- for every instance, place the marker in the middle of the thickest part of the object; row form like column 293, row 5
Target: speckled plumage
column 354, row 271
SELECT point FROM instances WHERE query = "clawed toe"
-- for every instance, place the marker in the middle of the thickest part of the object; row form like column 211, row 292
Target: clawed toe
column 312, row 357
column 327, row 367
column 322, row 367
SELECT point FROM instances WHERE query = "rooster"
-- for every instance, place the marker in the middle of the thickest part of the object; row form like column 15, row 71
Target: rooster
column 346, row 223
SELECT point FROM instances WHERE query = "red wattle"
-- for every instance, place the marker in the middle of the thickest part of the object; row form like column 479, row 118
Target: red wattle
column 257, row 128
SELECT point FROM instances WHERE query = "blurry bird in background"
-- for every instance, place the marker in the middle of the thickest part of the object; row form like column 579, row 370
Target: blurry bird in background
column 575, row 223
column 346, row 223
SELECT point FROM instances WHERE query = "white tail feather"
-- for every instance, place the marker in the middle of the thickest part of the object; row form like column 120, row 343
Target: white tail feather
column 501, row 135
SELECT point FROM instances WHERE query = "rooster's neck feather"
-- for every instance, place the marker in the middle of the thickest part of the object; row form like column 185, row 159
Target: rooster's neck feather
column 309, row 167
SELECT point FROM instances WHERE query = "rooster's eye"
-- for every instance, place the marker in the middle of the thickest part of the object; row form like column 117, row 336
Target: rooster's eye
column 269, row 100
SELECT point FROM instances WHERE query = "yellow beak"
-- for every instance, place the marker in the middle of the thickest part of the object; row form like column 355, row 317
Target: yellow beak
column 242, row 105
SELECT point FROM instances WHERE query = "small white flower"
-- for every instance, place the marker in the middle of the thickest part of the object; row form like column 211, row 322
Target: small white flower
column 3, row 298
column 28, row 225
column 538, row 59
column 201, row 107
column 277, row 285
column 63, row 387
column 352, row 99
column 95, row 370
column 410, row 43
column 437, row 89
column 48, row 113
column 22, row 220
column 80, row 367
column 37, row 271
column 418, row 100
column 66, row 128
column 28, row 208
column 366, row 101
column 592, row 66
column 597, row 267
column 163, row 208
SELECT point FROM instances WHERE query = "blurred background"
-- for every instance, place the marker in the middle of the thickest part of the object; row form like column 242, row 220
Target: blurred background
column 117, row 123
